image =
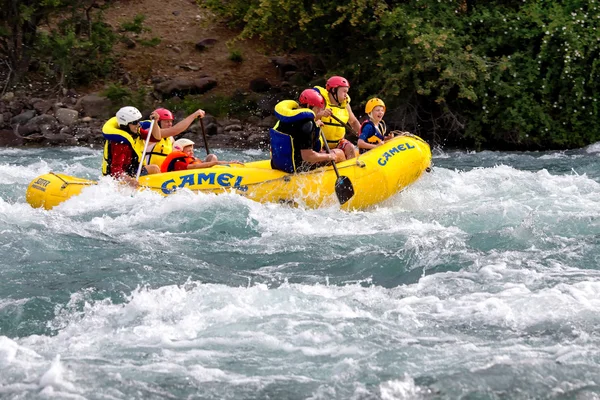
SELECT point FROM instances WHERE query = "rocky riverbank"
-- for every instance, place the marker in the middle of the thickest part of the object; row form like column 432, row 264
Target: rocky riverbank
column 72, row 119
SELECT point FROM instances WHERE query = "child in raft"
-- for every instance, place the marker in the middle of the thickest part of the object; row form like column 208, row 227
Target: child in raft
column 182, row 158
column 373, row 131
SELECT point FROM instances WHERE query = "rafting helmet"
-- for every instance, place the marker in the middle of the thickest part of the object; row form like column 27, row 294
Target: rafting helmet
column 164, row 114
column 128, row 115
column 372, row 103
column 335, row 82
column 181, row 144
column 312, row 98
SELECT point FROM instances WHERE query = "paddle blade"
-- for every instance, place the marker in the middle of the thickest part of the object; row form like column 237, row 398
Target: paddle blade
column 344, row 189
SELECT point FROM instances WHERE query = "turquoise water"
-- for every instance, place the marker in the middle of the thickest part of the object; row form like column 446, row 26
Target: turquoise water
column 480, row 281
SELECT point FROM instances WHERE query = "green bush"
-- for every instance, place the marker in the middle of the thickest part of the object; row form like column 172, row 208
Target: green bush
column 236, row 56
column 217, row 105
column 135, row 26
column 510, row 74
column 75, row 56
column 121, row 96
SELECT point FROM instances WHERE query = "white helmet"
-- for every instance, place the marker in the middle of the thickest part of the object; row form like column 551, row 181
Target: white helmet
column 127, row 115
column 181, row 144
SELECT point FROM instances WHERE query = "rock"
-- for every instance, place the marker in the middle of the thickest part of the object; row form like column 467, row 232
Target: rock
column 6, row 116
column 42, row 106
column 176, row 12
column 234, row 127
column 254, row 120
column 126, row 79
column 182, row 86
column 95, row 106
column 268, row 122
column 86, row 119
column 23, row 118
column 9, row 138
column 66, row 116
column 212, row 129
column 260, row 85
column 59, row 139
column 57, row 105
column 284, row 64
column 189, row 67
column 129, row 42
column 8, row 96
column 176, row 49
column 205, row 44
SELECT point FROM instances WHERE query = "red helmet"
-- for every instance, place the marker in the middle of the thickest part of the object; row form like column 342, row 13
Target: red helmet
column 312, row 98
column 164, row 114
column 335, row 82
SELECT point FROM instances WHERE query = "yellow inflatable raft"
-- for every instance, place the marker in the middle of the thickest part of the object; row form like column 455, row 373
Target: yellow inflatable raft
column 375, row 176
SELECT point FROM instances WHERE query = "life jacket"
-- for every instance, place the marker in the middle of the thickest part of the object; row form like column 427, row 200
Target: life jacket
column 291, row 117
column 156, row 151
column 378, row 137
column 333, row 130
column 112, row 133
column 168, row 164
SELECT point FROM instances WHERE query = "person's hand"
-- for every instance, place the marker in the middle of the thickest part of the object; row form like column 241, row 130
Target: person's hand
column 199, row 113
column 326, row 113
column 319, row 123
column 154, row 116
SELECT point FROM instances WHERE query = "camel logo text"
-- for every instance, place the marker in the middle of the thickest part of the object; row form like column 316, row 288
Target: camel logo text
column 392, row 152
column 203, row 181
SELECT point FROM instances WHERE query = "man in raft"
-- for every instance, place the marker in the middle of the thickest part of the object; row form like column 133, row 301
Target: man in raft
column 123, row 145
column 296, row 144
column 337, row 102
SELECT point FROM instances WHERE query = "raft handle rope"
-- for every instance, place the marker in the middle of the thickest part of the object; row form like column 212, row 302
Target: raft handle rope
column 65, row 183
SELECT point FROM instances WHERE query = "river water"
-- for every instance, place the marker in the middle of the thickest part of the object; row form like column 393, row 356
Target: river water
column 480, row 281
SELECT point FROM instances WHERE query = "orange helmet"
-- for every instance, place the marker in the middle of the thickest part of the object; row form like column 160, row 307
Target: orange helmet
column 372, row 103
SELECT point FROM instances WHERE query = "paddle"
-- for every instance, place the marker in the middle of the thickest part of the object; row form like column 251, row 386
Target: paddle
column 204, row 136
column 139, row 171
column 343, row 186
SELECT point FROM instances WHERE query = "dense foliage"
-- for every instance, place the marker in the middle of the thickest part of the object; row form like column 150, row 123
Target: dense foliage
column 493, row 73
column 66, row 39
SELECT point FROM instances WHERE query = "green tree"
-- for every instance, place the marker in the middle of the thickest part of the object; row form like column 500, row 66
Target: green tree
column 71, row 20
column 495, row 73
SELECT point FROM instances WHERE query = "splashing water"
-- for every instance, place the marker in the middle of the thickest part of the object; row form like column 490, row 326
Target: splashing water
column 482, row 280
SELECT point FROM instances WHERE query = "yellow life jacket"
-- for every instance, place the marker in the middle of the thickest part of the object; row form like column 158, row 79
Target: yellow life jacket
column 159, row 152
column 112, row 133
column 333, row 130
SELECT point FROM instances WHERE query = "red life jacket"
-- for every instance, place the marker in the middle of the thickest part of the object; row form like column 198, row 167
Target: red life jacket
column 176, row 156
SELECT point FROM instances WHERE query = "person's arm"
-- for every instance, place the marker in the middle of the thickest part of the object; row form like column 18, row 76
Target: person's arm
column 313, row 157
column 352, row 121
column 365, row 145
column 182, row 125
column 366, row 136
column 156, row 133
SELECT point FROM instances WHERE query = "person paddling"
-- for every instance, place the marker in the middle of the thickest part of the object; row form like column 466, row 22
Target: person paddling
column 337, row 102
column 123, row 145
column 159, row 149
column 296, row 144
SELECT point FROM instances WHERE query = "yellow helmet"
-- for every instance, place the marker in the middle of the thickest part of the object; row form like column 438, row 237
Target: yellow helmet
column 374, row 102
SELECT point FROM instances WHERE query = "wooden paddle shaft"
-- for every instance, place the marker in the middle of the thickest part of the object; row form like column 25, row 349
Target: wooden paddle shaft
column 204, row 137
